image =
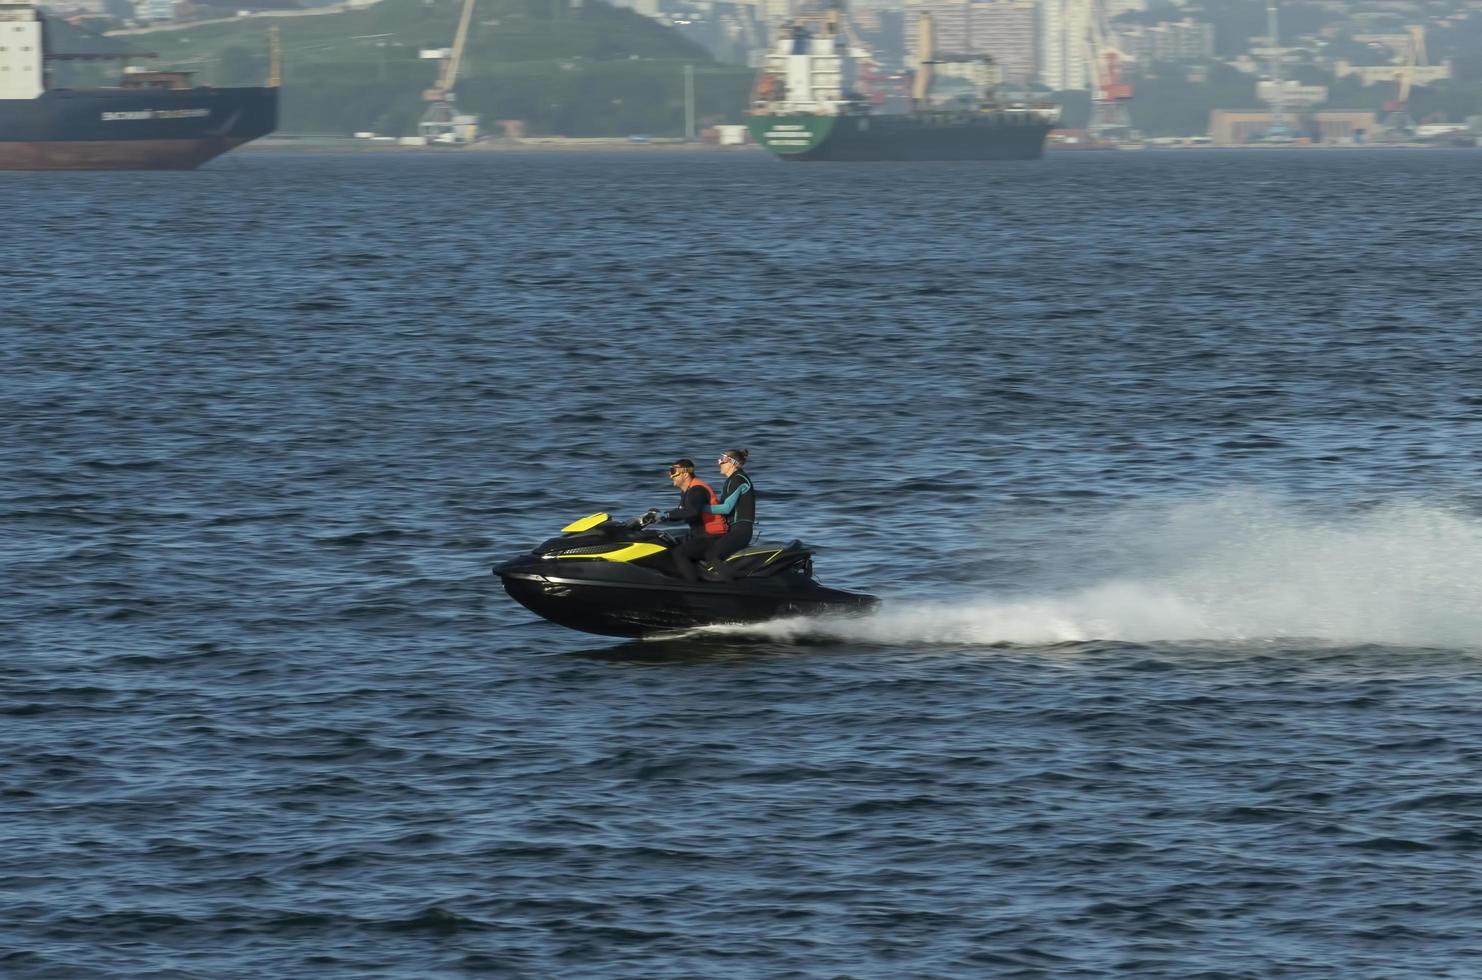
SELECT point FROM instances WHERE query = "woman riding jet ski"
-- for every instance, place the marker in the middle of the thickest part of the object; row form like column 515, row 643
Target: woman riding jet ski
column 624, row 578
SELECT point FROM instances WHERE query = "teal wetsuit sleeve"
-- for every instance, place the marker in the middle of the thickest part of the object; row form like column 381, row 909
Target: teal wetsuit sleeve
column 729, row 504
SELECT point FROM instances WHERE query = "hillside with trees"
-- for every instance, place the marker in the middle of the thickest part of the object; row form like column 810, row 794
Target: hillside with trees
column 564, row 68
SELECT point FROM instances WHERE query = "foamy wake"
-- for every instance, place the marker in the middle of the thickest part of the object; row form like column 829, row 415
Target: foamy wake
column 1236, row 567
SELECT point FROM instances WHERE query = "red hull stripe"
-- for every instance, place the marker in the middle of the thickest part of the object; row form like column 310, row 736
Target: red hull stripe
column 185, row 154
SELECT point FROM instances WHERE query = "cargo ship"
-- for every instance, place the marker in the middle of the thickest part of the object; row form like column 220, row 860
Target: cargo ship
column 152, row 120
column 807, row 103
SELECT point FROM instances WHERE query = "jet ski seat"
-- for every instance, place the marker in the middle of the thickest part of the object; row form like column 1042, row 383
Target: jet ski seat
column 761, row 560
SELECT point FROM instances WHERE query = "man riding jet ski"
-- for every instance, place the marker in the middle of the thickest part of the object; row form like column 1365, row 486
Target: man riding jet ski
column 626, row 578
column 696, row 501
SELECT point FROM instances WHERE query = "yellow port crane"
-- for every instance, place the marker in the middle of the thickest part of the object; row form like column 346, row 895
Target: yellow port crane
column 442, row 123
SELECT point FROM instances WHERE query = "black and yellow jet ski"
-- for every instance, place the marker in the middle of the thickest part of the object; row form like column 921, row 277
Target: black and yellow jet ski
column 617, row 578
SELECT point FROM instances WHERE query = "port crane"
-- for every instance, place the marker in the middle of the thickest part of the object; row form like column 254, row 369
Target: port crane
column 1110, row 95
column 442, row 123
column 1278, row 131
column 1398, row 108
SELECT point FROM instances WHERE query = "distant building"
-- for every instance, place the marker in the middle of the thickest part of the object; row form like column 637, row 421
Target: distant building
column 1381, row 74
column 1005, row 30
column 681, row 10
column 155, row 10
column 1293, row 96
column 1396, row 43
column 1235, row 127
column 773, row 12
column 1173, row 42
column 1008, row 32
column 1062, row 46
column 951, row 20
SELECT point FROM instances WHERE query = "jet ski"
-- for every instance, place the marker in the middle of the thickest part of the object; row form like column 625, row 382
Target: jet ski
column 617, row 578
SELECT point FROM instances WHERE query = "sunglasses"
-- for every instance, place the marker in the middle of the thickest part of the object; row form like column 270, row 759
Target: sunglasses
column 726, row 459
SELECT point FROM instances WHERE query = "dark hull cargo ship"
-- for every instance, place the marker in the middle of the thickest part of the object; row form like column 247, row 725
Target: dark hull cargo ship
column 1003, row 135
column 808, row 106
column 153, row 120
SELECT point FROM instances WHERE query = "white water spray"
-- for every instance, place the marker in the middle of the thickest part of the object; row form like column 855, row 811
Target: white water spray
column 1236, row 567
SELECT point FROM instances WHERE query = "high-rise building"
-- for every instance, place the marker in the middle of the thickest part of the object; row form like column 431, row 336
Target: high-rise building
column 1063, row 26
column 1115, row 8
column 773, row 12
column 1008, row 31
column 951, row 19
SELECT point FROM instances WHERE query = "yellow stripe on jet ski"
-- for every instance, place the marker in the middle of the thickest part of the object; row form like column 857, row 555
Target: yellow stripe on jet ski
column 749, row 554
column 638, row 549
column 585, row 524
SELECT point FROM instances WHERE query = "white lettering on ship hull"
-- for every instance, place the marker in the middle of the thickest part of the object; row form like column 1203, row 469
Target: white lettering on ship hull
column 784, row 135
column 133, row 114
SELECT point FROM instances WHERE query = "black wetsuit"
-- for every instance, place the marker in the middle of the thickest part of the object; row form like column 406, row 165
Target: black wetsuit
column 739, row 495
column 691, row 510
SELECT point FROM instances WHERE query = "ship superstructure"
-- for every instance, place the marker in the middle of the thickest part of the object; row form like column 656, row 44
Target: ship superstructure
column 22, row 51
column 810, row 69
column 156, row 120
column 807, row 105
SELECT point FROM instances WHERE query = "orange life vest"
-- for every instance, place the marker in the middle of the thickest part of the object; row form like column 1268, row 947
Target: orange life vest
column 714, row 523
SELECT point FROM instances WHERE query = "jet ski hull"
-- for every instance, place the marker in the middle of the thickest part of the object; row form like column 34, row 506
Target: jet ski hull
column 612, row 608
column 620, row 579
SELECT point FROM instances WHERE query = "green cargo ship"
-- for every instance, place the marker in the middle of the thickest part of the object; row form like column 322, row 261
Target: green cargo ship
column 807, row 104
column 994, row 135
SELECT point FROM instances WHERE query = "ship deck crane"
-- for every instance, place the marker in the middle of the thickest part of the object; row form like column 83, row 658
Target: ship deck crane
column 926, row 55
column 442, row 123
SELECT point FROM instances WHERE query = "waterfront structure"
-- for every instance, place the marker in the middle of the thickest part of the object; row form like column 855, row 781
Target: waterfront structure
column 1237, row 127
column 442, row 122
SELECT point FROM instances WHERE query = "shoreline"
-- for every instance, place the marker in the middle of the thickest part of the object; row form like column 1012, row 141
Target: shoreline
column 271, row 144
column 332, row 144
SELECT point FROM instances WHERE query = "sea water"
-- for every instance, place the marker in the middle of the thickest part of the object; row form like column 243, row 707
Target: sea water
column 1165, row 464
